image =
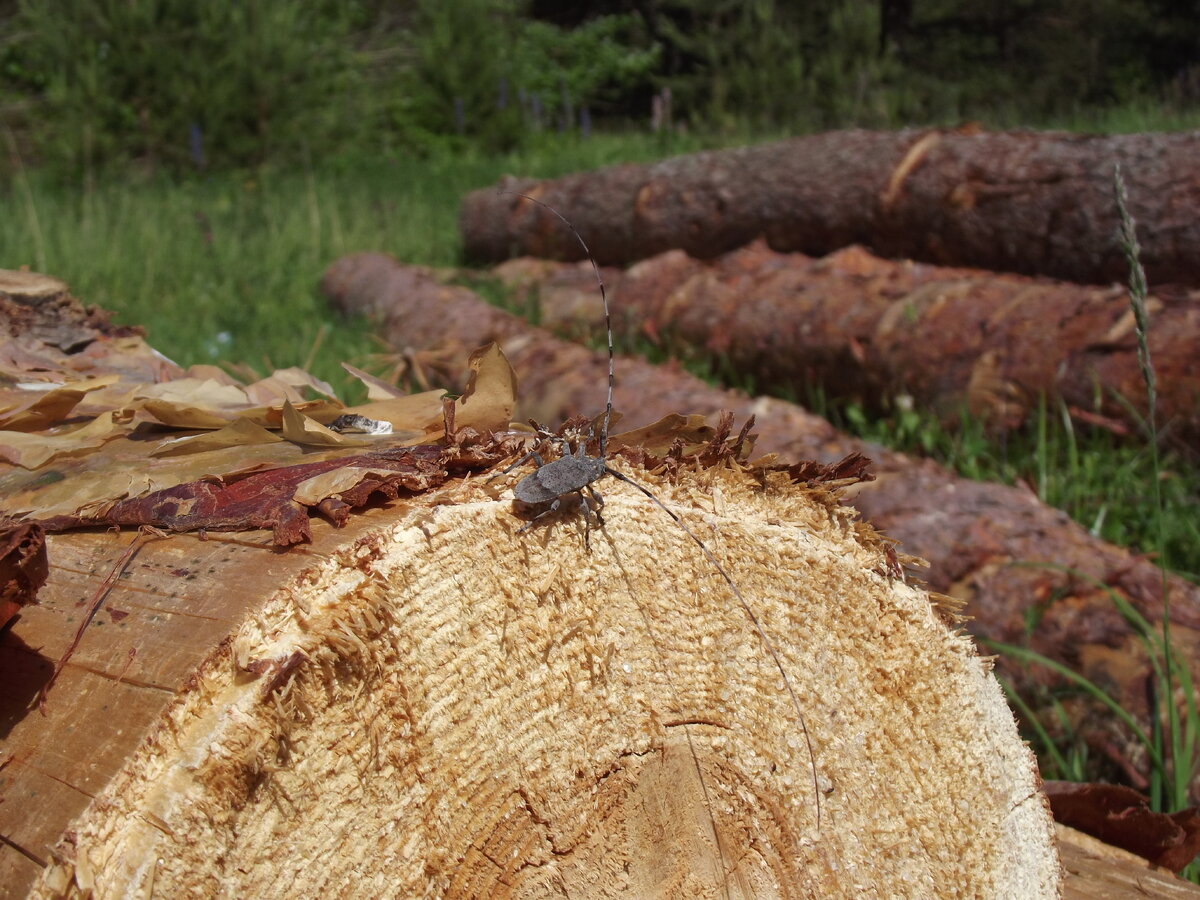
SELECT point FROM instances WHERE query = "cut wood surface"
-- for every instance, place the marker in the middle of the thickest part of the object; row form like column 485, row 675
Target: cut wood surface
column 862, row 328
column 997, row 547
column 427, row 703
column 1029, row 202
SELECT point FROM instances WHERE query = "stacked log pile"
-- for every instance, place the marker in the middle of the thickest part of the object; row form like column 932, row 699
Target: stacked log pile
column 390, row 690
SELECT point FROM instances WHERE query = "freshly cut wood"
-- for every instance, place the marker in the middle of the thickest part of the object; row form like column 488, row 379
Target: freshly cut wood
column 999, row 548
column 863, row 328
column 429, row 703
column 1031, row 202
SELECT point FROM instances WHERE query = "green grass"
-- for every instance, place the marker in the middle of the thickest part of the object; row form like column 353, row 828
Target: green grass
column 225, row 267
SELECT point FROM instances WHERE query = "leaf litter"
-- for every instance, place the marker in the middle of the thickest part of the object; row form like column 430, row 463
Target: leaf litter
column 139, row 441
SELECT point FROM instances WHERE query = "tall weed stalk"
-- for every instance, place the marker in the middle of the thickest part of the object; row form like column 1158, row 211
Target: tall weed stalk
column 1171, row 744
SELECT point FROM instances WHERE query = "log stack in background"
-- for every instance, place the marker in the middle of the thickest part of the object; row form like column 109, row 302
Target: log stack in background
column 860, row 328
column 1038, row 203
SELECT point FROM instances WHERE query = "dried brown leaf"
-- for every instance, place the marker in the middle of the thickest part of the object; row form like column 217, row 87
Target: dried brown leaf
column 377, row 388
column 286, row 384
column 415, row 415
column 658, row 437
column 1122, row 817
column 320, row 487
column 491, row 394
column 31, row 451
column 301, row 429
column 33, row 406
column 242, row 433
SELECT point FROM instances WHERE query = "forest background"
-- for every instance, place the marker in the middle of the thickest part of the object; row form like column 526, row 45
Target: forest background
column 194, row 167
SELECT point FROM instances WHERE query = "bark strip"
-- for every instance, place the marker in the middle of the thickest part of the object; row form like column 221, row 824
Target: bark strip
column 1029, row 202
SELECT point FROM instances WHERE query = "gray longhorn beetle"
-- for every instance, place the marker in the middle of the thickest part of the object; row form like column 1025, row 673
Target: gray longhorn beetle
column 574, row 473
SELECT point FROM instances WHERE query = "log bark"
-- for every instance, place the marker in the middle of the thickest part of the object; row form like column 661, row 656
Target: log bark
column 39, row 308
column 991, row 545
column 1027, row 202
column 1096, row 871
column 865, row 329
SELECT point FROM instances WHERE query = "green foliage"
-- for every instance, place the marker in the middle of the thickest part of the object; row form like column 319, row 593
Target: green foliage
column 135, row 79
column 87, row 82
column 597, row 64
column 485, row 75
column 448, row 97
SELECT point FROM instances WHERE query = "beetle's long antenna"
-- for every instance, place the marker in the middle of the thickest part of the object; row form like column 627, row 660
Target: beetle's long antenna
column 604, row 299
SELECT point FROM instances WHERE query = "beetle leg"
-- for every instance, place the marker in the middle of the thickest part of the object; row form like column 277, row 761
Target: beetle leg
column 589, row 511
column 532, row 454
column 554, row 504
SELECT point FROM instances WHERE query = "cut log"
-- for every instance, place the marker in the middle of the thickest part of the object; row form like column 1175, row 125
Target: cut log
column 1035, row 203
column 427, row 703
column 861, row 328
column 997, row 547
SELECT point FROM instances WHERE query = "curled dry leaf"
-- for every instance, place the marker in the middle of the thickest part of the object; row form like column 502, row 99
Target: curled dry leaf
column 415, row 417
column 32, row 450
column 491, row 394
column 301, row 429
column 242, row 433
column 377, row 388
column 311, row 491
column 287, row 384
column 32, row 406
column 1121, row 816
column 658, row 437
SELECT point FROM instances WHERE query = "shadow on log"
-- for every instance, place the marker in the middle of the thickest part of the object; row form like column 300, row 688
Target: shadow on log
column 1039, row 203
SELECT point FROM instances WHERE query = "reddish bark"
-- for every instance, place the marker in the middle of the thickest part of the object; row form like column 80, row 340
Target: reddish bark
column 1037, row 203
column 1121, row 816
column 23, row 566
column 265, row 499
column 862, row 328
column 989, row 544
